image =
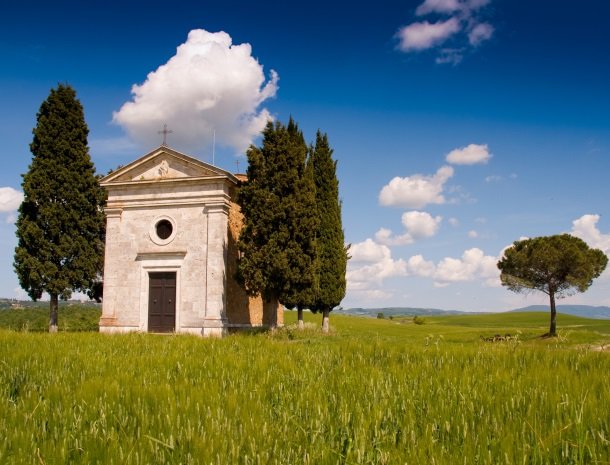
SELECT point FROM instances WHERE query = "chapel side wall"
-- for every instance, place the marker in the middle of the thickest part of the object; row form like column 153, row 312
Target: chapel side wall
column 242, row 310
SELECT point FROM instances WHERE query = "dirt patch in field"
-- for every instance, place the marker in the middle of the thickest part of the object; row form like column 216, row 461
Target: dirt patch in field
column 601, row 347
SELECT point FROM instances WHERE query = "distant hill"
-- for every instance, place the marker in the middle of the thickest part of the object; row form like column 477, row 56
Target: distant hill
column 398, row 311
column 7, row 304
column 585, row 311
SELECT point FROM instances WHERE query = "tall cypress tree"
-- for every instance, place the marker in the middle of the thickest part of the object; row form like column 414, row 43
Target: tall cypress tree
column 306, row 229
column 60, row 228
column 331, row 251
column 278, row 203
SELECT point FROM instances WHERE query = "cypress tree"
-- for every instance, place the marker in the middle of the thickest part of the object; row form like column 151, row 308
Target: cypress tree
column 331, row 251
column 60, row 228
column 278, row 203
column 306, row 230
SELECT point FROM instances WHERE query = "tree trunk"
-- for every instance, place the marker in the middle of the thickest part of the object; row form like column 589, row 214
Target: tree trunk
column 325, row 318
column 53, row 314
column 300, row 317
column 270, row 312
column 553, row 328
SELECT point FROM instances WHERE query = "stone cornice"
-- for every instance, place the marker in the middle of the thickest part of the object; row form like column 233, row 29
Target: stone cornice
column 212, row 200
column 113, row 212
column 217, row 207
column 169, row 255
column 157, row 182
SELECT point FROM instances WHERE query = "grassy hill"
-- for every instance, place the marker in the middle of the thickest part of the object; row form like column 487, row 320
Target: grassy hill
column 460, row 327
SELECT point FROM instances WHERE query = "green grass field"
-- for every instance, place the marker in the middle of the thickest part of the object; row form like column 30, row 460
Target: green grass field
column 72, row 317
column 373, row 392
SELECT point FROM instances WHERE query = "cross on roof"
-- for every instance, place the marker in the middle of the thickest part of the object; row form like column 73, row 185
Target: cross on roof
column 165, row 132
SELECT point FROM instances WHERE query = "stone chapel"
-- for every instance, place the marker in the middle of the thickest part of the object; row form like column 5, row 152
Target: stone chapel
column 171, row 250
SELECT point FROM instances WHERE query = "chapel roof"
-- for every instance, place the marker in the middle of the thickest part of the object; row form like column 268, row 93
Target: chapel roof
column 167, row 165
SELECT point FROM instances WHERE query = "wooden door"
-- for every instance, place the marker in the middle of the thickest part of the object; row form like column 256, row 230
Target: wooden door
column 162, row 302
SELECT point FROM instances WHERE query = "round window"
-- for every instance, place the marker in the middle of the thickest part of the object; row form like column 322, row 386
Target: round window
column 164, row 229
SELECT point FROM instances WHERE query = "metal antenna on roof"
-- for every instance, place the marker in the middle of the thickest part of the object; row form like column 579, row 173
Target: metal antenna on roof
column 214, row 148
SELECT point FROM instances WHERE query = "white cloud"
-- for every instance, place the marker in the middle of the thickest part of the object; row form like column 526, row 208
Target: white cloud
column 463, row 26
column 449, row 6
column 470, row 155
column 375, row 295
column 368, row 252
column 20, row 294
column 385, row 236
column 452, row 56
column 497, row 178
column 424, row 35
column 480, row 33
column 585, row 228
column 454, row 222
column 421, row 224
column 373, row 263
column 416, row 191
column 418, row 266
column 437, row 6
column 370, row 276
column 370, row 264
column 472, row 265
column 417, row 225
column 475, row 4
column 473, row 234
column 10, row 199
column 209, row 85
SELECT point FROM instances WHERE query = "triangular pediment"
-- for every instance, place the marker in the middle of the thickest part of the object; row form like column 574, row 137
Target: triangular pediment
column 164, row 163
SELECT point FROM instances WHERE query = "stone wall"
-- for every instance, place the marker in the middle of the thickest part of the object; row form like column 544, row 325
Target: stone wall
column 242, row 310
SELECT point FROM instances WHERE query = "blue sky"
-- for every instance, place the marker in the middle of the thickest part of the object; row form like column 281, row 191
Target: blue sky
column 517, row 92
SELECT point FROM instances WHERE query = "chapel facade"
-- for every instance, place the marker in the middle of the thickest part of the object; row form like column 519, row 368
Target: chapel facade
column 171, row 250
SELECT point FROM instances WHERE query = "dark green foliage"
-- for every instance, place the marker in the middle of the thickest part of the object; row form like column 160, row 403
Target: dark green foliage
column 278, row 202
column 418, row 320
column 558, row 266
column 60, row 228
column 332, row 253
column 304, row 296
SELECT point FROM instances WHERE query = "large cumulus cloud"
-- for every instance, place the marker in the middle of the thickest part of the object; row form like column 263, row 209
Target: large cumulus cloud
column 209, row 86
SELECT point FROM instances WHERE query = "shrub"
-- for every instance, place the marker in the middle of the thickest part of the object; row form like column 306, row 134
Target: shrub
column 418, row 320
